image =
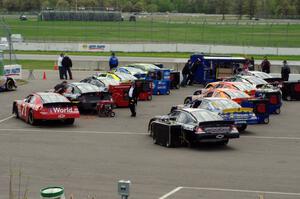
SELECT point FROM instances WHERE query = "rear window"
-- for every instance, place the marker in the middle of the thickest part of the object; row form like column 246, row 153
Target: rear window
column 244, row 87
column 52, row 98
column 206, row 116
column 87, row 88
column 255, row 80
column 224, row 104
column 236, row 94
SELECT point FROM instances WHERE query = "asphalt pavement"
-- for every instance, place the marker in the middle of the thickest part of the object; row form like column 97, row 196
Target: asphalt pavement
column 89, row 157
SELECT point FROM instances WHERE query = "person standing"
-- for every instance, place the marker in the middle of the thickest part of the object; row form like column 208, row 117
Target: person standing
column 113, row 61
column 285, row 71
column 265, row 65
column 193, row 69
column 67, row 65
column 185, row 72
column 252, row 64
column 61, row 87
column 60, row 66
column 133, row 95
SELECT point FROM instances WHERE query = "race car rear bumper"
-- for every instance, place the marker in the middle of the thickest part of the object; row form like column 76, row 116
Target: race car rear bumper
column 216, row 136
column 55, row 116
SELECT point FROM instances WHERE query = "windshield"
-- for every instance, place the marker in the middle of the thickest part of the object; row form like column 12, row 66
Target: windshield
column 205, row 116
column 244, row 87
column 262, row 75
column 87, row 88
column 52, row 98
column 224, row 104
column 124, row 76
column 236, row 94
column 255, row 80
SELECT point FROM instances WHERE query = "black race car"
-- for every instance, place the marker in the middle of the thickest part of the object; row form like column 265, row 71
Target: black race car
column 191, row 126
column 86, row 95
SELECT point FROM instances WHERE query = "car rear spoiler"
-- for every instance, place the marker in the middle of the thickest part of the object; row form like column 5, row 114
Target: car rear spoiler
column 57, row 103
column 216, row 123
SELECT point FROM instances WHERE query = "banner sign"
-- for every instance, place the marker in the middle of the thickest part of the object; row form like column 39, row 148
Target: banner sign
column 94, row 47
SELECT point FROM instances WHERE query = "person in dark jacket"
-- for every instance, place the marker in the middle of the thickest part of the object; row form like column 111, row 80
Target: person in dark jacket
column 133, row 95
column 185, row 73
column 193, row 69
column 61, row 88
column 67, row 65
column 285, row 71
column 113, row 61
column 252, row 64
column 265, row 65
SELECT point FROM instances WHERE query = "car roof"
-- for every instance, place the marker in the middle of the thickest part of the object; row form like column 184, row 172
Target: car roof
column 191, row 110
column 214, row 98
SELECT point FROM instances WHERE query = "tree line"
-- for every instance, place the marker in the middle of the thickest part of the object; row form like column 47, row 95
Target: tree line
column 263, row 8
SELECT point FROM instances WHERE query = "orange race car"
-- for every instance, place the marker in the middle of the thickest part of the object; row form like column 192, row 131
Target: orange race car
column 233, row 94
column 242, row 86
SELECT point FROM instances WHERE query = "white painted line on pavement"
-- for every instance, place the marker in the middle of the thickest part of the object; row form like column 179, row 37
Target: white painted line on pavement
column 270, row 137
column 3, row 120
column 170, row 193
column 74, row 132
column 229, row 190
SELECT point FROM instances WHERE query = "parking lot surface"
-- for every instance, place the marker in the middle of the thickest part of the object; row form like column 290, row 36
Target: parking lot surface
column 89, row 157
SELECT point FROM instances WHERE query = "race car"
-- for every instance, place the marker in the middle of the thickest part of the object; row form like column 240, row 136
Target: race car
column 45, row 106
column 101, row 82
column 7, row 83
column 276, row 81
column 255, row 81
column 242, row 86
column 119, row 76
column 138, row 73
column 85, row 95
column 191, row 126
column 227, row 109
column 144, row 67
column 235, row 95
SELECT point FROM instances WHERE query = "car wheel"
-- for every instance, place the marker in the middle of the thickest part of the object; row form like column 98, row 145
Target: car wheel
column 242, row 128
column 69, row 121
column 31, row 119
column 112, row 114
column 187, row 100
column 277, row 111
column 10, row 85
column 15, row 111
column 266, row 120
column 288, row 98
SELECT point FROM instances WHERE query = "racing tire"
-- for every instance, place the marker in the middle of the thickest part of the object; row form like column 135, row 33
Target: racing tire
column 288, row 98
column 31, row 119
column 10, row 85
column 157, row 93
column 69, row 121
column 168, row 93
column 112, row 114
column 277, row 111
column 266, row 121
column 187, row 100
column 15, row 110
column 242, row 128
column 177, row 86
column 150, row 129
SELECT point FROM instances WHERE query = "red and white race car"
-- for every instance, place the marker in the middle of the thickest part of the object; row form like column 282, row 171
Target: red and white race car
column 45, row 106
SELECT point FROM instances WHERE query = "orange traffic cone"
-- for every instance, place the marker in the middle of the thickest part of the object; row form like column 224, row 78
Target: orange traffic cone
column 44, row 76
column 55, row 67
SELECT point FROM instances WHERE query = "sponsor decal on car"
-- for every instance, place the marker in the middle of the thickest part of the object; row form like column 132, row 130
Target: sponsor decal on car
column 62, row 110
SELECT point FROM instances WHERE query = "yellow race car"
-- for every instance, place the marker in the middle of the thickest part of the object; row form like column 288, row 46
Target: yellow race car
column 119, row 76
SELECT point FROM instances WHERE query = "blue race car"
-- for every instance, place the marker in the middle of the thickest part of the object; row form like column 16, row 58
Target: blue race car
column 227, row 109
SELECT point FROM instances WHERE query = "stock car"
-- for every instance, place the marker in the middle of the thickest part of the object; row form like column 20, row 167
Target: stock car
column 242, row 86
column 118, row 76
column 85, row 95
column 45, row 106
column 191, row 126
column 255, row 81
column 145, row 67
column 7, row 83
column 138, row 73
column 235, row 95
column 101, row 82
column 227, row 109
column 276, row 81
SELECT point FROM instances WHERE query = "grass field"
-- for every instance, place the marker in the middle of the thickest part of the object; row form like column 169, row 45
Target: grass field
column 249, row 34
